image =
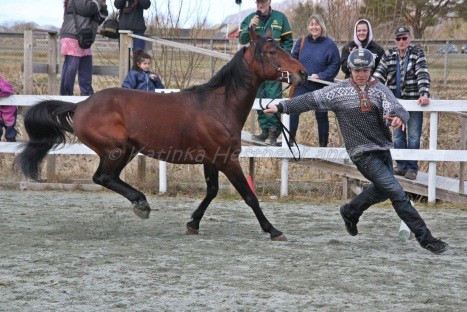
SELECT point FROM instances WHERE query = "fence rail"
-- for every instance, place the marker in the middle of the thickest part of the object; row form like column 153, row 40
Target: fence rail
column 432, row 155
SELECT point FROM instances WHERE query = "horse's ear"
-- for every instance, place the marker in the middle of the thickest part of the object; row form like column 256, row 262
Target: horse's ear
column 253, row 35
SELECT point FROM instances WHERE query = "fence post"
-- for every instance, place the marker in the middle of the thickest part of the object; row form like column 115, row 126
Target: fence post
column 285, row 162
column 126, row 43
column 52, row 56
column 50, row 167
column 445, row 72
column 27, row 57
column 432, row 164
column 463, row 146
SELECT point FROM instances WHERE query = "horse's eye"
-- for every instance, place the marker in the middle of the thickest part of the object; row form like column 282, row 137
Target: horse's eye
column 272, row 51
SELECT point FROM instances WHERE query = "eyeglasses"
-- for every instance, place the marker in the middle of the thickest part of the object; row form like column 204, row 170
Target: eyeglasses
column 261, row 1
column 402, row 38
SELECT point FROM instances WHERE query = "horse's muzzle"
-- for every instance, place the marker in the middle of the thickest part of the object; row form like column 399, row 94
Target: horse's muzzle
column 303, row 77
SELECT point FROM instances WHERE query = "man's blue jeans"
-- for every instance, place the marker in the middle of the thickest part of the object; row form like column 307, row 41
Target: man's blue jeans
column 139, row 43
column 410, row 138
column 71, row 66
column 376, row 166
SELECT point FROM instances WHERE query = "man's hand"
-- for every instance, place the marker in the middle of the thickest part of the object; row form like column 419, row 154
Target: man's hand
column 270, row 108
column 423, row 101
column 396, row 122
column 254, row 21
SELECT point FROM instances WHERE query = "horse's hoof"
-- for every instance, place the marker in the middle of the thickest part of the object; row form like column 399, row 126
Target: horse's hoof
column 280, row 238
column 142, row 214
column 191, row 231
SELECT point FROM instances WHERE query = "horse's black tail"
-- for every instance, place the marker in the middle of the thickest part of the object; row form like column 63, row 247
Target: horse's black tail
column 46, row 124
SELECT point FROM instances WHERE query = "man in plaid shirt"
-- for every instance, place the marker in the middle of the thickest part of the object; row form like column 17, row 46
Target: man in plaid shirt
column 404, row 70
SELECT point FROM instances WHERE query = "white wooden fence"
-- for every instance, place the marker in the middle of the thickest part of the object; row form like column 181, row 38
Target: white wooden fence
column 431, row 155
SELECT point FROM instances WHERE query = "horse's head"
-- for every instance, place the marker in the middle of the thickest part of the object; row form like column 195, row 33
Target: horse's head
column 271, row 62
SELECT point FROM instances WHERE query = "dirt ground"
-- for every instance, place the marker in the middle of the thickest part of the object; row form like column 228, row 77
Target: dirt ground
column 87, row 251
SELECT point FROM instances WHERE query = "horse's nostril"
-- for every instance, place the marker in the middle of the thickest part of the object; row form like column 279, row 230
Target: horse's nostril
column 304, row 76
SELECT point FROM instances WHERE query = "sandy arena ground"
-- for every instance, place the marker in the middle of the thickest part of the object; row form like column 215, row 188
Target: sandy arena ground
column 84, row 251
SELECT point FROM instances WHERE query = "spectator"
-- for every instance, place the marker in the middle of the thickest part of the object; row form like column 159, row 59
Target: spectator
column 320, row 56
column 281, row 32
column 404, row 70
column 140, row 76
column 362, row 38
column 365, row 109
column 7, row 112
column 131, row 18
column 79, row 14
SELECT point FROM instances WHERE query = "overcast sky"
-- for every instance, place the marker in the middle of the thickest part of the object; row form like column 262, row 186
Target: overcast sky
column 50, row 12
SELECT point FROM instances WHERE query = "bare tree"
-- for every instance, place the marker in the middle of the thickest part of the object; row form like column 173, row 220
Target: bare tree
column 419, row 14
column 176, row 66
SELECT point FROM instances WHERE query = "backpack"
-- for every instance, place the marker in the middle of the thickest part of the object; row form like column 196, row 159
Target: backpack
column 110, row 28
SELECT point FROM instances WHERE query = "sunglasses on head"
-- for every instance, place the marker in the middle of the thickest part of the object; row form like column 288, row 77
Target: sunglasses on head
column 402, row 38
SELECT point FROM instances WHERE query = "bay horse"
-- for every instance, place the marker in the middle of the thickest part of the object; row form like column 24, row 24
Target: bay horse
column 198, row 125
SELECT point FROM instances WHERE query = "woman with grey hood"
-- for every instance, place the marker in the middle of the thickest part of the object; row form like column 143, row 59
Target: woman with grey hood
column 362, row 38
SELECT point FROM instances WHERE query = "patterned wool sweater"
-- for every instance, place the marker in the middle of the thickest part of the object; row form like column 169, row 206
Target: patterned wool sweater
column 363, row 131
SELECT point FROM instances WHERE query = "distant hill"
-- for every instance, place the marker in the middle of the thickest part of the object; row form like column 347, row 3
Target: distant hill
column 19, row 27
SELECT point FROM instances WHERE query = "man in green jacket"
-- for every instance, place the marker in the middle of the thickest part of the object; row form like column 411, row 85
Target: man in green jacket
column 277, row 22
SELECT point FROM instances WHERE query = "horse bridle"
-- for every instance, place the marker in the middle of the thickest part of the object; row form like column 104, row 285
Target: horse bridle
column 284, row 74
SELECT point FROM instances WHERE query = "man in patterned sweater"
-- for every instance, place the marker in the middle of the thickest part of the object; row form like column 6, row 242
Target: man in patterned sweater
column 365, row 109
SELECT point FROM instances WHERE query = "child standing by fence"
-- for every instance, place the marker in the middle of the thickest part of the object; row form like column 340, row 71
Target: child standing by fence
column 7, row 112
column 140, row 76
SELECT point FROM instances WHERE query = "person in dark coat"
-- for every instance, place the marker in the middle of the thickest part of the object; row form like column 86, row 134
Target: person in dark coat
column 131, row 18
column 362, row 38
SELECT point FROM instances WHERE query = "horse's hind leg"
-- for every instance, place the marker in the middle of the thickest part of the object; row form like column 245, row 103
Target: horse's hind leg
column 235, row 175
column 211, row 176
column 108, row 175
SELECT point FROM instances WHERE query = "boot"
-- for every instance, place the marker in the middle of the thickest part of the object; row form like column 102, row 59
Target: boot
column 272, row 138
column 323, row 140
column 261, row 137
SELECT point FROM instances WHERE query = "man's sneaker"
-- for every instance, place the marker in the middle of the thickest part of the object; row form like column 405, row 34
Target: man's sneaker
column 399, row 171
column 261, row 137
column 435, row 245
column 411, row 175
column 350, row 226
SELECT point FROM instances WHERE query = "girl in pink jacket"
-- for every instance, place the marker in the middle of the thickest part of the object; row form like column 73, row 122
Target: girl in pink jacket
column 7, row 112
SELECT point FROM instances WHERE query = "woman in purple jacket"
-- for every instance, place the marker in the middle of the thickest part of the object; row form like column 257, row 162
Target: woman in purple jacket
column 320, row 56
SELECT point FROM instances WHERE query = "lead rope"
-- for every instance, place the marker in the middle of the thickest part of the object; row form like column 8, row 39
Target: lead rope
column 284, row 129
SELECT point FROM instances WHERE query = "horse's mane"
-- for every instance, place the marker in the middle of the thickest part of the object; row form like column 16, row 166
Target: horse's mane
column 234, row 75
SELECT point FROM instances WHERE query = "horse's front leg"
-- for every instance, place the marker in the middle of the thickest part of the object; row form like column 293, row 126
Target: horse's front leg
column 211, row 176
column 234, row 173
column 107, row 175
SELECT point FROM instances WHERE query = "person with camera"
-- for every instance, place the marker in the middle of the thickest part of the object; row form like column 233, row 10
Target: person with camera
column 365, row 109
column 263, row 20
column 131, row 18
column 81, row 19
